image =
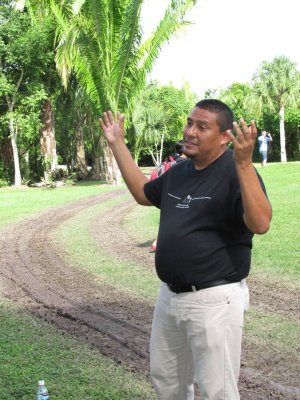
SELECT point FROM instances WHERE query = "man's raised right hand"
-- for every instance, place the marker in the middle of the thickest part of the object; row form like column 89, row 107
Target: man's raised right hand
column 113, row 128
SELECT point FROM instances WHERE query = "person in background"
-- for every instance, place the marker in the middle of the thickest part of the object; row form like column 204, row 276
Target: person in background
column 264, row 140
column 179, row 155
column 210, row 205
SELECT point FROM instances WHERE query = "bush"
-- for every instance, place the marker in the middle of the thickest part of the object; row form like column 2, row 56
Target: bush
column 3, row 183
column 59, row 175
column 4, row 176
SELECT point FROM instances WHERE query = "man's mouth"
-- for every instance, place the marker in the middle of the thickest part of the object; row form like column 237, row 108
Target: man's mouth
column 189, row 143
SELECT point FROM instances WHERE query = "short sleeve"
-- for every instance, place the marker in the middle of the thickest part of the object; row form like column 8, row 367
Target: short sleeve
column 153, row 190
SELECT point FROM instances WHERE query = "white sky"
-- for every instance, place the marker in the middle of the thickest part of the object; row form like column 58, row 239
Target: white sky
column 227, row 42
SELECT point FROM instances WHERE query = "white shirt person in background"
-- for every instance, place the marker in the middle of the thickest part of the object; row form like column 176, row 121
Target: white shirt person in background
column 263, row 140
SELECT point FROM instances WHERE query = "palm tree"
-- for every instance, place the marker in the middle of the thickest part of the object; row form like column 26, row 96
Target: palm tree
column 275, row 86
column 235, row 97
column 101, row 41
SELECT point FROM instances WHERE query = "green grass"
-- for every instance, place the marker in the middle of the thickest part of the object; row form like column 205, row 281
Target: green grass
column 16, row 204
column 277, row 254
column 272, row 330
column 32, row 350
column 143, row 223
column 75, row 239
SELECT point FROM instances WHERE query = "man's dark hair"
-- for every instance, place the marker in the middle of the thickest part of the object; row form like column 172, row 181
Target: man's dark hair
column 224, row 115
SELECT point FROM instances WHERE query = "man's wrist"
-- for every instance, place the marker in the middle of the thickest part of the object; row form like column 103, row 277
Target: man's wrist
column 245, row 165
column 116, row 143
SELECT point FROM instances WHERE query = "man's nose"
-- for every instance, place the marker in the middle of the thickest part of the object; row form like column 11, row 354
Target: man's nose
column 191, row 130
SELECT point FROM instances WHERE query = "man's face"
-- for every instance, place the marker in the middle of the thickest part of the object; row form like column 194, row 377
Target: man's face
column 202, row 135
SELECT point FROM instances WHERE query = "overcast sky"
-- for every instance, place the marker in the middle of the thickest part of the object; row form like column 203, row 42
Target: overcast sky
column 227, row 41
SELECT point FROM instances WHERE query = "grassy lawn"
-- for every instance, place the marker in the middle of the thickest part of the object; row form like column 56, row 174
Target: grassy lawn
column 32, row 349
column 71, row 369
column 20, row 203
column 129, row 277
column 278, row 252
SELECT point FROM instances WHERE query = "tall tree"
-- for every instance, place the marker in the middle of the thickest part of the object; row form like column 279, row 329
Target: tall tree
column 276, row 85
column 101, row 41
column 21, row 57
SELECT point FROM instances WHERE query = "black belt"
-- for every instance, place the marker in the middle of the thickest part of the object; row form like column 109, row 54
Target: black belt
column 193, row 288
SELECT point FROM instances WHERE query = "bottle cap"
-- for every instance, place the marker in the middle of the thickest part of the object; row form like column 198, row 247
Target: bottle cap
column 41, row 383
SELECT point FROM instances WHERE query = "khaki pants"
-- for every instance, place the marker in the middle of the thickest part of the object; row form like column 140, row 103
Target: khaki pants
column 197, row 335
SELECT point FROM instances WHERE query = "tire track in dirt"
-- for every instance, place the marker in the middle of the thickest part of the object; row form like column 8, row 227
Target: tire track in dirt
column 37, row 277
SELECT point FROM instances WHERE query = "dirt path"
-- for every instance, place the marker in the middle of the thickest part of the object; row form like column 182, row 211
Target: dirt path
column 35, row 275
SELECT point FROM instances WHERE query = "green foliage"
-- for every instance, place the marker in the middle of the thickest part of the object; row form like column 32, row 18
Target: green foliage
column 59, row 174
column 100, row 42
column 25, row 56
column 158, row 118
column 103, row 44
column 292, row 126
column 275, row 86
column 235, row 97
column 4, row 176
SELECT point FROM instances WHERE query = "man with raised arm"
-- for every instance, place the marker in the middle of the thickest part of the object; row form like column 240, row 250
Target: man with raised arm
column 211, row 205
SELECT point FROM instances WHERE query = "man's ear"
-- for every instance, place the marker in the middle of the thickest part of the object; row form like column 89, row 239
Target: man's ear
column 225, row 138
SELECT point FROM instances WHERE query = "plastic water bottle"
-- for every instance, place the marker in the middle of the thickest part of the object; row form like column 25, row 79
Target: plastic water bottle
column 42, row 392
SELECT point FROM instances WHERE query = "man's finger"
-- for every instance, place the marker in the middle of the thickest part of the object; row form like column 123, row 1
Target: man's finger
column 240, row 136
column 106, row 119
column 233, row 138
column 121, row 119
column 111, row 117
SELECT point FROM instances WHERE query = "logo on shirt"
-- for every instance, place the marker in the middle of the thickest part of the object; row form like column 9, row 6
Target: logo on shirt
column 186, row 201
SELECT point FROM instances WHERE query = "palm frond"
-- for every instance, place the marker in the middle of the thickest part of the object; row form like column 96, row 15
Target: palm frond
column 130, row 36
column 101, row 42
column 172, row 22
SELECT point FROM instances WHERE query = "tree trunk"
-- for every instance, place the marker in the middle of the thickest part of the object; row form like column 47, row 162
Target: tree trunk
column 116, row 173
column 112, row 171
column 13, row 138
column 81, row 167
column 26, row 162
column 282, row 135
column 47, row 138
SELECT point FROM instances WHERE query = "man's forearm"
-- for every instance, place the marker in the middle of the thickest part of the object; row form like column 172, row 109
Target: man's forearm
column 257, row 208
column 135, row 180
column 132, row 175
